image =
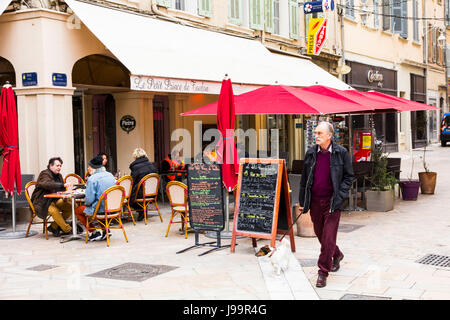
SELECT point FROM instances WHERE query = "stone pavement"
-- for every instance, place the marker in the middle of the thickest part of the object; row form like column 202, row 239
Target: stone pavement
column 381, row 250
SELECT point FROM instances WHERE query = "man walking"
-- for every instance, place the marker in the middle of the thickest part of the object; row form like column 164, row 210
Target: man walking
column 326, row 179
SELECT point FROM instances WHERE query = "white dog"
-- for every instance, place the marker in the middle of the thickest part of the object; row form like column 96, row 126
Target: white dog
column 280, row 257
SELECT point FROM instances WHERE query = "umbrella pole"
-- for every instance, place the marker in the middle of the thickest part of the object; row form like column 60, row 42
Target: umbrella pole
column 14, row 234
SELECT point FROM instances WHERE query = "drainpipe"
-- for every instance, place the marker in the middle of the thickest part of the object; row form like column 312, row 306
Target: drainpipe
column 165, row 15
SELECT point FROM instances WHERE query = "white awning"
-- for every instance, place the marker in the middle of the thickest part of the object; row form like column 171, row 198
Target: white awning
column 166, row 56
column 3, row 5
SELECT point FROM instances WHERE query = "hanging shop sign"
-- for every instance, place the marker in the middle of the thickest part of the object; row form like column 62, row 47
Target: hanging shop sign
column 128, row 123
column 318, row 6
column 317, row 33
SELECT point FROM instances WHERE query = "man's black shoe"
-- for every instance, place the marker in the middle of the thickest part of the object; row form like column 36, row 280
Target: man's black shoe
column 56, row 232
column 336, row 263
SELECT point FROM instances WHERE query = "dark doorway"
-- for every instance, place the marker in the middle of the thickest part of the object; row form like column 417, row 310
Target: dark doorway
column 78, row 135
column 104, row 128
column 161, row 129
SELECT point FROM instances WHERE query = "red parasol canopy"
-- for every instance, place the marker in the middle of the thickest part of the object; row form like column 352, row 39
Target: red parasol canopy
column 225, row 123
column 400, row 104
column 279, row 99
column 9, row 140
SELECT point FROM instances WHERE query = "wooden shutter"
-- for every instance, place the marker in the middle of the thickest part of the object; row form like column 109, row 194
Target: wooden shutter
column 430, row 43
column 376, row 15
column 386, row 14
column 269, row 15
column 256, row 14
column 349, row 9
column 235, row 12
column 293, row 19
column 164, row 3
column 397, row 16
column 205, row 8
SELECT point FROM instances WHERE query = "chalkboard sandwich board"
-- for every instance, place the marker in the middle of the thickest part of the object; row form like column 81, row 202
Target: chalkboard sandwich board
column 206, row 207
column 262, row 206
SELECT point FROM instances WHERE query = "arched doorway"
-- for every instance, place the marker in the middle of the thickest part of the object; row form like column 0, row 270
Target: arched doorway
column 96, row 78
column 7, row 72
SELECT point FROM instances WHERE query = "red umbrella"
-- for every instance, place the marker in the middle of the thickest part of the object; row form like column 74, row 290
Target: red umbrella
column 225, row 123
column 9, row 141
column 286, row 100
column 400, row 104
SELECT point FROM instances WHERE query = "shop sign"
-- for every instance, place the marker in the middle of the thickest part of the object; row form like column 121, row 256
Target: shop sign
column 128, row 123
column 318, row 6
column 317, row 33
column 375, row 76
column 29, row 79
column 59, row 79
column 147, row 83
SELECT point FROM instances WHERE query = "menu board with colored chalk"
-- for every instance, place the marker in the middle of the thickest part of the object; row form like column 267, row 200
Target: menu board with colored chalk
column 206, row 205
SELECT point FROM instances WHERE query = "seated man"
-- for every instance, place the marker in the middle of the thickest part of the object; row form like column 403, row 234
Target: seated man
column 49, row 181
column 99, row 180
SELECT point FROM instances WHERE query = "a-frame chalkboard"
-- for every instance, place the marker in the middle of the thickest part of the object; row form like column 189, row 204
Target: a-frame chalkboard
column 262, row 205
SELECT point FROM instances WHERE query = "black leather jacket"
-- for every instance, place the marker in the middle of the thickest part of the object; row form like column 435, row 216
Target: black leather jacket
column 341, row 175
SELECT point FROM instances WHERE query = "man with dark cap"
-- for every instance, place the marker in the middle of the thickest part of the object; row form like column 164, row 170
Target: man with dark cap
column 326, row 180
column 99, row 180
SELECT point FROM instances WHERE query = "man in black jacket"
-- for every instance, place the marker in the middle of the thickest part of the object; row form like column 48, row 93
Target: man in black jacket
column 326, row 180
column 140, row 167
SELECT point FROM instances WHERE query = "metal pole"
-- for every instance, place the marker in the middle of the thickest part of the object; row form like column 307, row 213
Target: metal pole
column 13, row 204
column 227, row 211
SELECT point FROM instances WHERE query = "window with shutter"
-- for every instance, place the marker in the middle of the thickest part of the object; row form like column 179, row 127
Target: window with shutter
column 235, row 12
column 293, row 19
column 386, row 14
column 433, row 41
column 276, row 16
column 376, row 14
column 269, row 15
column 164, row 3
column 363, row 11
column 180, row 5
column 430, row 43
column 256, row 14
column 404, row 20
column 350, row 9
column 205, row 8
column 415, row 20
column 397, row 16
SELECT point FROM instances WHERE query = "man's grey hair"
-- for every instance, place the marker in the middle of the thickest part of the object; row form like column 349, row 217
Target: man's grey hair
column 328, row 125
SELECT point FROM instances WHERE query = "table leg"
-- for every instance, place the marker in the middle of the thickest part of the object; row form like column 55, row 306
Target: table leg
column 74, row 235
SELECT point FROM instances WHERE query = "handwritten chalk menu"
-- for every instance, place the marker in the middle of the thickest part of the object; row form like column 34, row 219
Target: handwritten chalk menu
column 257, row 197
column 262, row 207
column 205, row 196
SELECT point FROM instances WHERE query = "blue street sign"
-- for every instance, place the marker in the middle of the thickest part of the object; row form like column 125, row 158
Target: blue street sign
column 318, row 6
column 59, row 79
column 29, row 79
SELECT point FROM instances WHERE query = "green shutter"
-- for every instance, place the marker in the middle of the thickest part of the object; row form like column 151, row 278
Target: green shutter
column 293, row 19
column 205, row 8
column 256, row 14
column 268, row 15
column 235, row 12
column 165, row 3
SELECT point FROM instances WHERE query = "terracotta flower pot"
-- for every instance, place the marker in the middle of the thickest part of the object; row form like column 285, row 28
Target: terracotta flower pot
column 427, row 182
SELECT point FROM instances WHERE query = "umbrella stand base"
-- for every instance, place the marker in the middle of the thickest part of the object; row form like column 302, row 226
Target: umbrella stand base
column 16, row 234
column 70, row 238
column 223, row 235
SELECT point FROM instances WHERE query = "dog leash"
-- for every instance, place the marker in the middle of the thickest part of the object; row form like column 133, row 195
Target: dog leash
column 292, row 225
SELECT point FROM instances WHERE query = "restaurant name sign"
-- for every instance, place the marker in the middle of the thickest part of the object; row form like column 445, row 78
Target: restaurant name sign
column 147, row 83
column 375, row 76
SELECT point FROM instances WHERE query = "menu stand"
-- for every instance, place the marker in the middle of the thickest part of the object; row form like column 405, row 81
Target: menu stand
column 209, row 244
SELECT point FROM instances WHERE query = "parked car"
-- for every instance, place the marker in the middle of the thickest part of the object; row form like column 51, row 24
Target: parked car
column 445, row 129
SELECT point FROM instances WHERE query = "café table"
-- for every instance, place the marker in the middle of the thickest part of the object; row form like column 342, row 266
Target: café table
column 73, row 196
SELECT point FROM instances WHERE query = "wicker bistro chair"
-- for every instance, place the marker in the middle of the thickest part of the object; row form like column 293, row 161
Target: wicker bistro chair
column 127, row 183
column 113, row 198
column 177, row 195
column 74, row 179
column 149, row 185
column 29, row 189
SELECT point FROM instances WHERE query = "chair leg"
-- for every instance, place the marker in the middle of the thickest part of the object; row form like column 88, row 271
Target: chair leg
column 123, row 229
column 170, row 222
column 107, row 231
column 87, row 229
column 130, row 213
column 183, row 217
column 45, row 229
column 29, row 225
column 159, row 212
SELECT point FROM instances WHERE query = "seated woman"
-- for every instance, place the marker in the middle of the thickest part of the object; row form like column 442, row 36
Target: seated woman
column 140, row 167
column 99, row 180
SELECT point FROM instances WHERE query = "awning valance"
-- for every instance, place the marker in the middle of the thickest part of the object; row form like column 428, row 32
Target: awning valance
column 3, row 5
column 167, row 56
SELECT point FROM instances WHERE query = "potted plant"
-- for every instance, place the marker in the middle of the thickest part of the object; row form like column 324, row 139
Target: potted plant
column 381, row 195
column 410, row 187
column 428, row 178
